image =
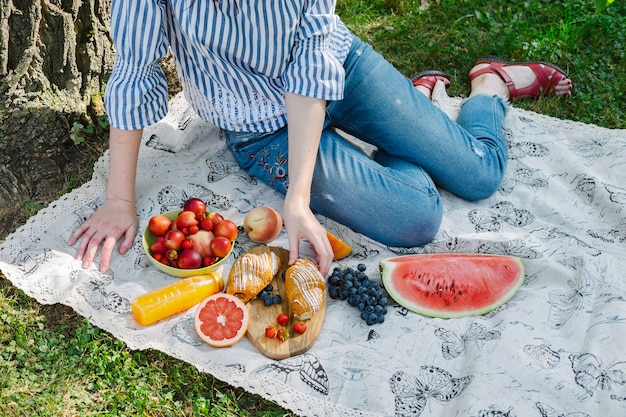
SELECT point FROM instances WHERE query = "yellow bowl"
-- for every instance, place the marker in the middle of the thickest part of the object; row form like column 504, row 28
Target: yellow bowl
column 149, row 238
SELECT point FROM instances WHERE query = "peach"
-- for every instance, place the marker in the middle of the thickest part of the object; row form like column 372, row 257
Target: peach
column 202, row 242
column 262, row 224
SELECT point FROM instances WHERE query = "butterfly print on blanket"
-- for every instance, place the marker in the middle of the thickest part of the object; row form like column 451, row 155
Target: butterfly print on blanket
column 182, row 327
column 221, row 169
column 532, row 178
column 614, row 235
column 441, row 244
column 593, row 376
column 154, row 141
column 172, row 198
column 547, row 411
column 307, row 366
column 92, row 286
column 183, row 121
column 28, row 264
column 519, row 150
column 413, row 392
column 562, row 240
column 584, row 289
column 616, row 195
column 590, row 149
column 454, row 344
column 543, row 355
column 491, row 220
column 360, row 251
column 495, row 411
column 515, row 247
column 585, row 189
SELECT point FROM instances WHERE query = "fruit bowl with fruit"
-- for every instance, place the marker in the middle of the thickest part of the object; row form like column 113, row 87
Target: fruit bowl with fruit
column 190, row 241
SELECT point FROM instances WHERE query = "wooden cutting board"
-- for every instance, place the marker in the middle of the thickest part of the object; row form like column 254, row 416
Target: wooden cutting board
column 262, row 316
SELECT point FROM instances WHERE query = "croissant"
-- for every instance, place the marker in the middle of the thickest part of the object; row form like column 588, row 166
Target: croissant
column 251, row 273
column 305, row 288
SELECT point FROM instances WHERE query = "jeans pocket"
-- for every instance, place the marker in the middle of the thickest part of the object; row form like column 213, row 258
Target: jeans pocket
column 264, row 157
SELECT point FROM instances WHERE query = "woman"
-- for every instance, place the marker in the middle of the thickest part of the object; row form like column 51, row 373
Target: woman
column 278, row 76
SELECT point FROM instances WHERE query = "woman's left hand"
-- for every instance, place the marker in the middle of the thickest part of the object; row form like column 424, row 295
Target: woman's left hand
column 300, row 223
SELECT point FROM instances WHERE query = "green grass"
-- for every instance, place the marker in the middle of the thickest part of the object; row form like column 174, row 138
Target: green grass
column 450, row 35
column 54, row 363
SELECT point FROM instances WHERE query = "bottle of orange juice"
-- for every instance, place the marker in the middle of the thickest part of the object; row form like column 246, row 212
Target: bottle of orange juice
column 175, row 297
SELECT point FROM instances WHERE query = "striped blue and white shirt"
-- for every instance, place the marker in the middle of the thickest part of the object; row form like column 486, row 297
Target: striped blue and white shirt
column 235, row 59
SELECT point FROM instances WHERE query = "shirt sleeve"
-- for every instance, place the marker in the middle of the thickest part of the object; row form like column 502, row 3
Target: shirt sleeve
column 136, row 93
column 314, row 71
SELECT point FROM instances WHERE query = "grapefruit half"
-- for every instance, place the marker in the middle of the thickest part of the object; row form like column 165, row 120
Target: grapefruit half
column 222, row 320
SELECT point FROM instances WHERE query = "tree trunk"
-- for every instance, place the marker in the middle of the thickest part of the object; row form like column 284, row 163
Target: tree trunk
column 55, row 57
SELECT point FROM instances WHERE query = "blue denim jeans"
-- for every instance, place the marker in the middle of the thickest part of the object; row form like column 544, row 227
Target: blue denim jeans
column 391, row 197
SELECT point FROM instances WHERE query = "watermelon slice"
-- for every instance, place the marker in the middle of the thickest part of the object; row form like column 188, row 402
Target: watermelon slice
column 452, row 285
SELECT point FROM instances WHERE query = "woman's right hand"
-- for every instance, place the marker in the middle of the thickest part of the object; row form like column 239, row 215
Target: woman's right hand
column 115, row 220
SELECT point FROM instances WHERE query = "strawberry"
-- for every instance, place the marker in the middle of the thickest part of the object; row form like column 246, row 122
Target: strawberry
column 282, row 319
column 270, row 331
column 299, row 327
column 282, row 334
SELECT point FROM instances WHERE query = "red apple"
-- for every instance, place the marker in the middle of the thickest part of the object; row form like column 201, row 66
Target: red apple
column 174, row 239
column 226, row 228
column 159, row 225
column 195, row 205
column 262, row 224
column 220, row 246
column 189, row 259
column 202, row 242
column 186, row 219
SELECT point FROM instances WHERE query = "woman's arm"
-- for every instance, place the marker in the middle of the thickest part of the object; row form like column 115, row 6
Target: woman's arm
column 117, row 217
column 305, row 117
column 135, row 97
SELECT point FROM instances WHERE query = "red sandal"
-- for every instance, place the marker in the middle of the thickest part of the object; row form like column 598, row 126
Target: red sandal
column 429, row 79
column 548, row 76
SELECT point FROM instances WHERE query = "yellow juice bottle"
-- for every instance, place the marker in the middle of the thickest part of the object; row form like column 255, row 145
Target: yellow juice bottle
column 175, row 297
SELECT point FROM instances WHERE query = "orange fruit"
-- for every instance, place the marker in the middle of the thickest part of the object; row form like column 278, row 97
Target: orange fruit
column 340, row 248
column 222, row 320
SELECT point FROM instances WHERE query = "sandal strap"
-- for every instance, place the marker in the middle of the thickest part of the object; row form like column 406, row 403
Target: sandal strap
column 429, row 79
column 496, row 68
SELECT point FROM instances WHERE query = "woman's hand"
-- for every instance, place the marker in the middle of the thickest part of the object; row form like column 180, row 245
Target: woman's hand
column 114, row 220
column 117, row 217
column 300, row 223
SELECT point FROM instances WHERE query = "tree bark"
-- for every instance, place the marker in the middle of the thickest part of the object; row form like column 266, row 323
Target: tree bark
column 55, row 58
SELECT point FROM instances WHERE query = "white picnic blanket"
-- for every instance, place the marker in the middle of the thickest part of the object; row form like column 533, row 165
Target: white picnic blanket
column 556, row 349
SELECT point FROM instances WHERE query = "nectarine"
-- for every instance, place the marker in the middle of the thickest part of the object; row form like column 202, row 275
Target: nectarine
column 226, row 228
column 220, row 246
column 262, row 224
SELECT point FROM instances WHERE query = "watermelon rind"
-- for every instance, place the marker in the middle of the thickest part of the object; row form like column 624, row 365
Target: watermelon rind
column 452, row 285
